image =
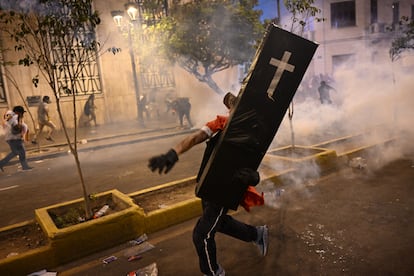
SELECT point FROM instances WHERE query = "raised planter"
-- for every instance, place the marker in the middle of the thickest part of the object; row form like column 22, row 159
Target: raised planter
column 298, row 157
column 72, row 242
column 168, row 204
column 30, row 258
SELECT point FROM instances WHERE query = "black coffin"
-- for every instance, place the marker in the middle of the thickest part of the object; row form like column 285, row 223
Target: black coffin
column 273, row 78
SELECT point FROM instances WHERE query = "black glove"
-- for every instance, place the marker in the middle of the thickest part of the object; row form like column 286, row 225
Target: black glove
column 163, row 161
column 247, row 177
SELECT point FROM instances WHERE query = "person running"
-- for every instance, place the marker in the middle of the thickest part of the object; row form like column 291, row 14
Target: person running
column 16, row 133
column 214, row 217
column 324, row 95
column 89, row 110
column 182, row 107
column 43, row 119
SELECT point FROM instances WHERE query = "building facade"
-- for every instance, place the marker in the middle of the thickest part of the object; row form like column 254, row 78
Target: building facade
column 355, row 31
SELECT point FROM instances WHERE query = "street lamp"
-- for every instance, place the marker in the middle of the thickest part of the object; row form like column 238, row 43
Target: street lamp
column 133, row 12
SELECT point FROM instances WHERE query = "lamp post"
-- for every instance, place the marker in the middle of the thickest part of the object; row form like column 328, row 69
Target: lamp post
column 132, row 11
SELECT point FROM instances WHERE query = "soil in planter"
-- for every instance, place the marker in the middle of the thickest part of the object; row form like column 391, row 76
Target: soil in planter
column 75, row 213
column 20, row 240
column 295, row 152
column 165, row 197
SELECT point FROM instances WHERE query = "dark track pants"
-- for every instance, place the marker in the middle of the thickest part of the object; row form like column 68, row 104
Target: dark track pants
column 213, row 219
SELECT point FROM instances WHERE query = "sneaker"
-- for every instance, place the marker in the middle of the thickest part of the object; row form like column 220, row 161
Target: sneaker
column 220, row 272
column 49, row 139
column 27, row 169
column 262, row 241
column 34, row 142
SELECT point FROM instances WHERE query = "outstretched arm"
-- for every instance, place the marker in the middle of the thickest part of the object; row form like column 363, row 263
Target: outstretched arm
column 190, row 141
column 165, row 162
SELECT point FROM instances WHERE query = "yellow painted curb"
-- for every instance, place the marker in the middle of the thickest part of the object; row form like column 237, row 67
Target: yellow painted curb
column 28, row 262
column 165, row 217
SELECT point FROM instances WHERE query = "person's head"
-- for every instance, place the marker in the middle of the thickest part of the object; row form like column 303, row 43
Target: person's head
column 46, row 99
column 229, row 100
column 323, row 83
column 19, row 110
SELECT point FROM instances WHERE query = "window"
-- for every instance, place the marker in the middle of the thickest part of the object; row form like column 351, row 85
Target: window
column 88, row 80
column 395, row 13
column 412, row 12
column 82, row 63
column 374, row 11
column 343, row 14
column 343, row 61
column 2, row 90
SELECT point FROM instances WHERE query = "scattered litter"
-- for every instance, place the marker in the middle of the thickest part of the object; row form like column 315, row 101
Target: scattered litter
column 139, row 240
column 358, row 163
column 138, row 249
column 109, row 259
column 149, row 270
column 12, row 254
column 101, row 211
column 43, row 272
column 134, row 258
column 279, row 192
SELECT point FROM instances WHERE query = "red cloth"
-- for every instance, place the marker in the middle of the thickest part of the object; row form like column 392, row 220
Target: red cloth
column 252, row 198
column 217, row 124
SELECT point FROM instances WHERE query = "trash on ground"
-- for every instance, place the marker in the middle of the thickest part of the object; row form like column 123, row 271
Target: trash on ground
column 138, row 249
column 139, row 240
column 358, row 163
column 134, row 258
column 12, row 254
column 149, row 270
column 109, row 259
column 43, row 272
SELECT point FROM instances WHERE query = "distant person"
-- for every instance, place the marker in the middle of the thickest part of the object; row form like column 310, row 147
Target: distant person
column 323, row 90
column 143, row 106
column 89, row 111
column 168, row 103
column 182, row 107
column 43, row 119
column 16, row 133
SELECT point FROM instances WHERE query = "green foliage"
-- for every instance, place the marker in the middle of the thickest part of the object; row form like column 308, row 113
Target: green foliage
column 404, row 40
column 301, row 11
column 205, row 37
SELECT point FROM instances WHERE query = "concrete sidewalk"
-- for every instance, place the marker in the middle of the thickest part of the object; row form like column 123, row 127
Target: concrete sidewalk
column 346, row 223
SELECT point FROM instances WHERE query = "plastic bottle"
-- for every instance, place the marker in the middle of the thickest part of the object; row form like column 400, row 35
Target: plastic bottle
column 101, row 211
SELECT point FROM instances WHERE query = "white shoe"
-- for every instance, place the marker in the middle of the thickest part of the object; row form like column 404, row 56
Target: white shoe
column 262, row 241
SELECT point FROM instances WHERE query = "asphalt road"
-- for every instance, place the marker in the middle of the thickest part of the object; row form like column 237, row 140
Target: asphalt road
column 55, row 180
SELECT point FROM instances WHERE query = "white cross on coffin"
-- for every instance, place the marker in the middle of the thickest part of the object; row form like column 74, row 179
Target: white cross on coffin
column 282, row 65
